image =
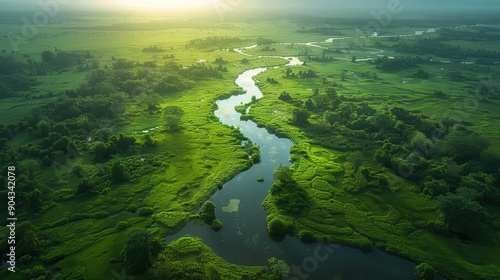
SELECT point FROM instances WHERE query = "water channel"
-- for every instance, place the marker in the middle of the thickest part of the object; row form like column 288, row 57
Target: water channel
column 244, row 238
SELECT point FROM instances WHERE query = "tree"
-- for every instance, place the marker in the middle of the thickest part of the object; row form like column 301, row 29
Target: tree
column 28, row 239
column 100, row 152
column 425, row 271
column 117, row 174
column 300, row 117
column 276, row 226
column 138, row 256
column 331, row 117
column 148, row 141
column 43, row 128
column 151, row 99
column 47, row 57
column 174, row 111
column 481, row 182
column 35, row 201
column 46, row 161
column 216, row 225
column 283, row 174
column 84, row 187
column 172, row 117
column 423, row 145
column 464, row 145
column 462, row 215
column 78, row 171
column 278, row 268
column 207, row 212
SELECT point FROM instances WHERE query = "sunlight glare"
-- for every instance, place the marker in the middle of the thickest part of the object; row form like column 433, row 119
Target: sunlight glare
column 164, row 4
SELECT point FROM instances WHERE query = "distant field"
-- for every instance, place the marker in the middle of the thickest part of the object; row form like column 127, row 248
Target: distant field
column 87, row 232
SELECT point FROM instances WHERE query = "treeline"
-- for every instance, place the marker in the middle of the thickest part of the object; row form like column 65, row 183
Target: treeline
column 219, row 42
column 153, row 48
column 398, row 63
column 14, row 74
column 62, row 59
column 13, row 77
column 300, row 74
column 321, row 30
column 432, row 46
column 483, row 34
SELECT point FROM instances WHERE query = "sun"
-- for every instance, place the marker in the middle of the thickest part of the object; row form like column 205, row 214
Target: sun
column 164, row 4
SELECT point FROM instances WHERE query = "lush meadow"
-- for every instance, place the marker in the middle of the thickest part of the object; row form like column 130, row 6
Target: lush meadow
column 110, row 126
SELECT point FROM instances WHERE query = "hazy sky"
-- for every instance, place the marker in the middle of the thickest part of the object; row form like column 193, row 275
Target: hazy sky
column 242, row 5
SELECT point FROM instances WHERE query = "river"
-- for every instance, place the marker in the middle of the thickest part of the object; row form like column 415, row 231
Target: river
column 244, row 239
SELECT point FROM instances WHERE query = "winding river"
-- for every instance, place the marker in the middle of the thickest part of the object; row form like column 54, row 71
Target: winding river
column 244, row 238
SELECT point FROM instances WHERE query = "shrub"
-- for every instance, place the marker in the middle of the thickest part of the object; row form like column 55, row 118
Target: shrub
column 425, row 271
column 207, row 212
column 100, row 215
column 122, row 225
column 306, row 236
column 145, row 211
column 277, row 227
column 216, row 225
column 131, row 208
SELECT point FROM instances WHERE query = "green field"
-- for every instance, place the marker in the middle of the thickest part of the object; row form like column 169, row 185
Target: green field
column 109, row 139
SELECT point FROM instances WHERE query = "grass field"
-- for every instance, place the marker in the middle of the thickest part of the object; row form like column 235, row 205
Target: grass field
column 83, row 233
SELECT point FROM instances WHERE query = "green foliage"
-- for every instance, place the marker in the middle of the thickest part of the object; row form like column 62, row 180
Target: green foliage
column 138, row 257
column 464, row 146
column 188, row 258
column 277, row 226
column 463, row 215
column 216, row 225
column 145, row 211
column 84, row 187
column 300, row 117
column 179, row 270
column 122, row 225
column 425, row 271
column 117, row 174
column 207, row 212
column 37, row 272
column 43, row 128
column 46, row 161
column 150, row 99
column 172, row 116
column 28, row 239
column 171, row 220
column 278, row 268
column 306, row 236
column 100, row 214
column 283, row 174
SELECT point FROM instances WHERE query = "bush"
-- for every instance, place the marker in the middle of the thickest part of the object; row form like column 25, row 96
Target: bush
column 138, row 256
column 306, row 236
column 100, row 215
column 38, row 272
column 131, row 208
column 425, row 271
column 122, row 225
column 207, row 212
column 277, row 227
column 145, row 211
column 216, row 225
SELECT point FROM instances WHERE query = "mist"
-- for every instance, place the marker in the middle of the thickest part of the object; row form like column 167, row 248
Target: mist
column 357, row 8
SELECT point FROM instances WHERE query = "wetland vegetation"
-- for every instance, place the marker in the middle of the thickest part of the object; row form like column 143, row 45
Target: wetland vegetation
column 108, row 120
